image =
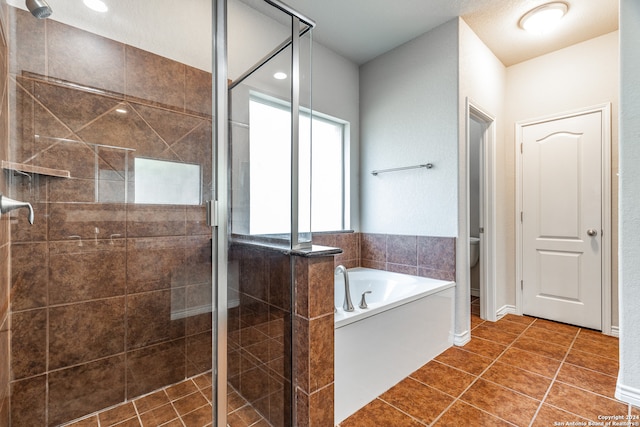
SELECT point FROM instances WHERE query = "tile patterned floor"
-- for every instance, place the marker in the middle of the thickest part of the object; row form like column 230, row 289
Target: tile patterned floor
column 186, row 404
column 519, row 371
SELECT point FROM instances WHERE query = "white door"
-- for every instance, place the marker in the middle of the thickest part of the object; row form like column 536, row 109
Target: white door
column 562, row 219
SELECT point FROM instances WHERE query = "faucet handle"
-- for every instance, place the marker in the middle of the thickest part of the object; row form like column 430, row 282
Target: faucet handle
column 7, row 205
column 363, row 300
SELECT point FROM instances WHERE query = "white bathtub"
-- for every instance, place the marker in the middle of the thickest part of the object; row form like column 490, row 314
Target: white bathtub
column 409, row 321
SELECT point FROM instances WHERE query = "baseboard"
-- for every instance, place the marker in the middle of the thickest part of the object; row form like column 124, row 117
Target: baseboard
column 627, row 394
column 475, row 292
column 461, row 339
column 504, row 310
column 615, row 331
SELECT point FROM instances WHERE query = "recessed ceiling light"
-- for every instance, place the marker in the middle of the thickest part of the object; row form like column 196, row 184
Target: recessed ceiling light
column 97, row 5
column 280, row 75
column 544, row 18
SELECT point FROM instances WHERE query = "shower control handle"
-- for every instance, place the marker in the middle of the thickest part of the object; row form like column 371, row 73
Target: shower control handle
column 7, row 205
column 363, row 300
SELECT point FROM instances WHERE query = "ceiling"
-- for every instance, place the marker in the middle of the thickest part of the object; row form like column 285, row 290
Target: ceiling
column 357, row 29
column 364, row 29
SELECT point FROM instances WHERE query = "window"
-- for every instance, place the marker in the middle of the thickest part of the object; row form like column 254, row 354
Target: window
column 270, row 169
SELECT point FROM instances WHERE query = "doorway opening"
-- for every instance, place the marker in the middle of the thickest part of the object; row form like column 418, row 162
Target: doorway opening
column 481, row 137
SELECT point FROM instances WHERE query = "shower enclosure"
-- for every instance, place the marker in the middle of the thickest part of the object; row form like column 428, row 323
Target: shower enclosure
column 264, row 140
column 168, row 172
column 108, row 130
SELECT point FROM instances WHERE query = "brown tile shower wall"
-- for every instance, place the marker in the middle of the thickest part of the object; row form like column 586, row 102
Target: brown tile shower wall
column 108, row 298
column 259, row 330
column 416, row 255
column 4, row 229
column 259, row 338
column 314, row 335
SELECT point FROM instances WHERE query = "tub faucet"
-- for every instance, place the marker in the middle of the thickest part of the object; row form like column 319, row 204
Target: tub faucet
column 347, row 305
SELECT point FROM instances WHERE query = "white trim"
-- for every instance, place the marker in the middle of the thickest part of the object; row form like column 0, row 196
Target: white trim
column 627, row 394
column 475, row 292
column 605, row 110
column 607, row 229
column 615, row 331
column 488, row 257
column 504, row 310
column 461, row 339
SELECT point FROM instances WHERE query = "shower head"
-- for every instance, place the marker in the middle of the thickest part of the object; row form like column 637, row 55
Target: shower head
column 39, row 8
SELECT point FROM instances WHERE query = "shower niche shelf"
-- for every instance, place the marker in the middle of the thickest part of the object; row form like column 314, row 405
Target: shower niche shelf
column 24, row 168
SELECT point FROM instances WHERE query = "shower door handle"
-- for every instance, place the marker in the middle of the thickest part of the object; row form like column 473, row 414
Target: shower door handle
column 7, row 205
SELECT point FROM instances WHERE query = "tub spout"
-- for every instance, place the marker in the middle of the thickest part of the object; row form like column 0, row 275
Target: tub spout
column 7, row 205
column 347, row 305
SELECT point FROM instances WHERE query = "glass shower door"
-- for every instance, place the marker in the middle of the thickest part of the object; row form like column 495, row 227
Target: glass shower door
column 110, row 140
column 266, row 204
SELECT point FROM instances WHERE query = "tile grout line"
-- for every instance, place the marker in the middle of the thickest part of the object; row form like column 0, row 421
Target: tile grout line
column 135, row 408
column 507, row 348
column 400, row 410
column 171, row 401
column 553, row 381
column 495, row 359
column 564, row 362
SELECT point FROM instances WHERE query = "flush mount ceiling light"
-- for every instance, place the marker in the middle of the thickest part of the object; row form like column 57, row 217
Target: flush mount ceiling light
column 544, row 18
column 97, row 5
column 280, row 75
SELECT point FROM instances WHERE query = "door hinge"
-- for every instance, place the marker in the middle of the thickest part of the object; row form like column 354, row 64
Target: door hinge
column 521, row 216
column 521, row 285
column 212, row 213
column 521, row 147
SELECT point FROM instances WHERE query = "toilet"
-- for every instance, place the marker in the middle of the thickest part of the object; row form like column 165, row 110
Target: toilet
column 474, row 251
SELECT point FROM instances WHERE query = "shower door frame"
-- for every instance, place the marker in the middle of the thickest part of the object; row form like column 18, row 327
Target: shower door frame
column 220, row 161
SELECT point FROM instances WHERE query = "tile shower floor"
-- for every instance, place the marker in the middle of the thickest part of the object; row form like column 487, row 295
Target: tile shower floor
column 519, row 371
column 187, row 403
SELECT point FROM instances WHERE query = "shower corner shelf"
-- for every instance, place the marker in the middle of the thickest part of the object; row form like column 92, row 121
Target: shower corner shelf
column 23, row 168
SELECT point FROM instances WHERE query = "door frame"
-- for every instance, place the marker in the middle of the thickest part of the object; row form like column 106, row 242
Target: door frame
column 488, row 256
column 605, row 110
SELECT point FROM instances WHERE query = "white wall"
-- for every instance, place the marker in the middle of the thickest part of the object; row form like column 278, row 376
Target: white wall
column 412, row 111
column 251, row 35
column 335, row 79
column 482, row 82
column 579, row 76
column 408, row 113
column 628, row 388
column 336, row 92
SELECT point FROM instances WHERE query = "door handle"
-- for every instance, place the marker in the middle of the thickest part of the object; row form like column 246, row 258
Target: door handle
column 591, row 232
column 7, row 205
